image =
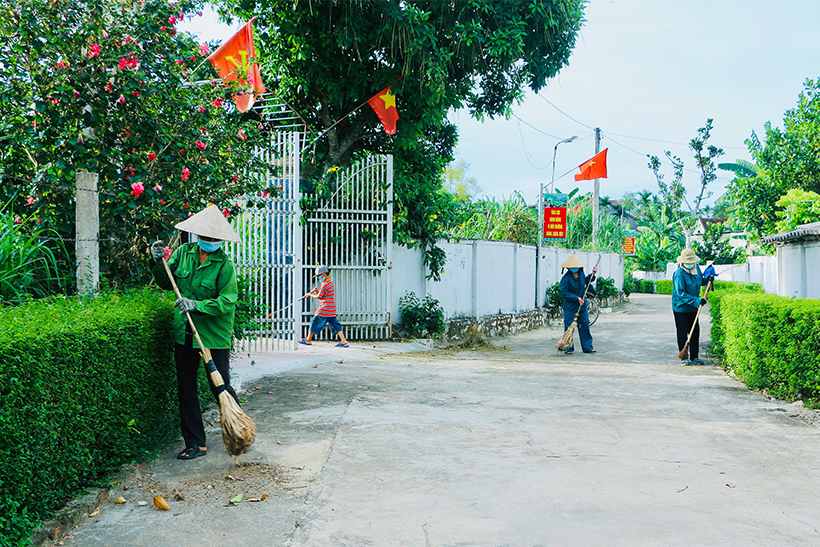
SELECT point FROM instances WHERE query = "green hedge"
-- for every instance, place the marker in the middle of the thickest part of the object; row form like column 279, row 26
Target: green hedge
column 664, row 286
column 85, row 386
column 768, row 341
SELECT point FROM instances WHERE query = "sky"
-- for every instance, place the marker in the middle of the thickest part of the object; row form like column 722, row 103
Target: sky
column 648, row 73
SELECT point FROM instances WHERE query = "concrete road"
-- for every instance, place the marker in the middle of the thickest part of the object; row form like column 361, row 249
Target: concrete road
column 520, row 446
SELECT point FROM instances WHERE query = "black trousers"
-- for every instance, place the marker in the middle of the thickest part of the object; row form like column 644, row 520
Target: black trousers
column 190, row 414
column 683, row 324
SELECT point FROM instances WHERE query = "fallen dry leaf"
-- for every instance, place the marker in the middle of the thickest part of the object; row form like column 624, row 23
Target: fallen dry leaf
column 279, row 442
column 95, row 513
column 161, row 504
column 125, row 487
column 119, row 500
column 218, row 420
column 59, row 543
column 229, row 477
column 730, row 485
column 314, row 366
column 257, row 387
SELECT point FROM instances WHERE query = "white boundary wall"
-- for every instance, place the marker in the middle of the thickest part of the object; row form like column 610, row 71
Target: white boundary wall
column 484, row 278
column 756, row 269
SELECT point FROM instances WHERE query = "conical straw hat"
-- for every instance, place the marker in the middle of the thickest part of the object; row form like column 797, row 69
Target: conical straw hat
column 209, row 222
column 687, row 255
column 573, row 262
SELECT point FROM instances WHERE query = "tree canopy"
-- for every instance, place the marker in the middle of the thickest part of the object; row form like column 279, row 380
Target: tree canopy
column 327, row 58
column 785, row 159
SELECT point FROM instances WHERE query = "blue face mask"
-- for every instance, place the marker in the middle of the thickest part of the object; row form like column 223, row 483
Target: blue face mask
column 575, row 270
column 209, row 246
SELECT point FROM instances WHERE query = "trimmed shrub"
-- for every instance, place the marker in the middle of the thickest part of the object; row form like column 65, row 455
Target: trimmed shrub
column 85, row 386
column 606, row 288
column 769, row 342
column 629, row 285
column 421, row 317
column 555, row 299
column 663, row 286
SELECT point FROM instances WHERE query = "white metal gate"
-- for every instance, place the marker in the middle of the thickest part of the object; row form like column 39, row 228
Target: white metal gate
column 270, row 252
column 352, row 234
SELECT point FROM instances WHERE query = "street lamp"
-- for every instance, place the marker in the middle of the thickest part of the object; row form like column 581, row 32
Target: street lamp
column 554, row 152
column 541, row 221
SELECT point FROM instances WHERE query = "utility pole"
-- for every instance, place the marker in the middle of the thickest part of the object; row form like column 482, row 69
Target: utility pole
column 540, row 243
column 595, row 191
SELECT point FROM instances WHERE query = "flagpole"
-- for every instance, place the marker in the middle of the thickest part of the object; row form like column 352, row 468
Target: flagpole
column 595, row 191
column 337, row 122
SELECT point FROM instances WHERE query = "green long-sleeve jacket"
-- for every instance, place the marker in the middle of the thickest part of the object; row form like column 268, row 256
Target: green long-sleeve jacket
column 212, row 285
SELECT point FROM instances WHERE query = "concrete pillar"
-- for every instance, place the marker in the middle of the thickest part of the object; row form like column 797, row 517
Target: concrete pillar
column 87, row 232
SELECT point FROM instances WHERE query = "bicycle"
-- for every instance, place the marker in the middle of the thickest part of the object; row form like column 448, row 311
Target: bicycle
column 593, row 308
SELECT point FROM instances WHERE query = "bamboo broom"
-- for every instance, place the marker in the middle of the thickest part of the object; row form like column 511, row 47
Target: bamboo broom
column 684, row 353
column 238, row 429
column 567, row 339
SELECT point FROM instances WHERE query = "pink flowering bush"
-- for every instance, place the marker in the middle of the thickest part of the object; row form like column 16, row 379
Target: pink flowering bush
column 111, row 94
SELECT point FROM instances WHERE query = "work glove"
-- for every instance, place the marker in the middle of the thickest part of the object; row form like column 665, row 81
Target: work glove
column 157, row 250
column 703, row 301
column 185, row 305
column 711, row 278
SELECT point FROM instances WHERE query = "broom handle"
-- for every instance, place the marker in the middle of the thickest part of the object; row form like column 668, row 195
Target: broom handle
column 695, row 324
column 589, row 278
column 206, row 353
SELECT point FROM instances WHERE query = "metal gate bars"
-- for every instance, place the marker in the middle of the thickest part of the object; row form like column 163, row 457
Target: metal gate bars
column 352, row 234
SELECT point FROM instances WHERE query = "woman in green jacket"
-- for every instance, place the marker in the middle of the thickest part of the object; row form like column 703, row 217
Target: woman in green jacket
column 206, row 278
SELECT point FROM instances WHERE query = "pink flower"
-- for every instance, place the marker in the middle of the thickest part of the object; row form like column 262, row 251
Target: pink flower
column 151, row 156
column 135, row 93
column 200, row 14
column 225, row 213
column 161, row 201
column 242, row 134
column 157, row 188
column 127, row 38
column 55, row 100
column 63, row 64
column 217, row 103
column 202, row 130
column 122, row 64
column 80, row 139
column 167, row 253
column 181, row 16
column 17, row 220
column 180, row 62
column 93, row 50
column 172, row 20
column 104, row 35
column 203, row 49
column 185, row 174
column 201, row 109
column 30, row 200
column 121, row 100
column 162, row 28
column 264, row 194
column 136, row 189
column 250, row 81
column 76, row 94
column 200, row 145
column 108, row 87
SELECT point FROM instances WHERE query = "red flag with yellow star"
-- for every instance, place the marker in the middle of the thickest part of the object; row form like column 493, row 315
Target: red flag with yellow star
column 384, row 103
column 232, row 61
column 594, row 168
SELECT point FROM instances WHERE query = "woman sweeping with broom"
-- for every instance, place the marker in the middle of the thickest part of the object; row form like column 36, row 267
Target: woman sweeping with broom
column 573, row 288
column 686, row 304
column 207, row 293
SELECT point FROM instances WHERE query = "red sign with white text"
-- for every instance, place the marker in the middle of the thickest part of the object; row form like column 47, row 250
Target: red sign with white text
column 629, row 245
column 555, row 222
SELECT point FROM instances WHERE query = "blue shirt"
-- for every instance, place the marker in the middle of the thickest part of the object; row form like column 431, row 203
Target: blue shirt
column 686, row 290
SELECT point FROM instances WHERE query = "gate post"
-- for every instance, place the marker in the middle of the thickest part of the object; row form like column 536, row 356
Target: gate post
column 87, row 230
column 296, row 278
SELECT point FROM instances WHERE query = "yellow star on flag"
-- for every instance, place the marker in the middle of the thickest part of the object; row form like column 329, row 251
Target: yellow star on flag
column 389, row 100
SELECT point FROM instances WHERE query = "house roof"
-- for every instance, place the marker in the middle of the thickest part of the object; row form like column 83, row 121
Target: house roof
column 803, row 232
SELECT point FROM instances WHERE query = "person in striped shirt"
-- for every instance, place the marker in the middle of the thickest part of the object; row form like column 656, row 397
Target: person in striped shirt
column 326, row 314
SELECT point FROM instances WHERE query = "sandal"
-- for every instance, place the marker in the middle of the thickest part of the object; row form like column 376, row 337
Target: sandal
column 191, row 452
column 568, row 351
column 590, row 351
column 340, row 345
column 305, row 342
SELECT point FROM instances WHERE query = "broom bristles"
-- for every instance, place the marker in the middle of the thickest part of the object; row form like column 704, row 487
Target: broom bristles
column 566, row 339
column 684, row 353
column 238, row 429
